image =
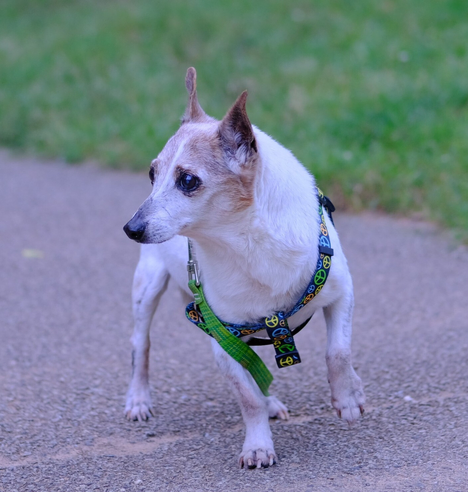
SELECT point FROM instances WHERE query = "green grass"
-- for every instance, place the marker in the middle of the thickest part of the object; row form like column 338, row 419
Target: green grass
column 371, row 95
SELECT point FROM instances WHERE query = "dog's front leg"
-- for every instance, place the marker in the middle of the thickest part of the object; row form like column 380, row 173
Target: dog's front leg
column 150, row 282
column 346, row 387
column 258, row 447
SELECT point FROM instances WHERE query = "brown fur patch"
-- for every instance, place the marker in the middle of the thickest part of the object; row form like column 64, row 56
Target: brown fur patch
column 204, row 154
column 237, row 187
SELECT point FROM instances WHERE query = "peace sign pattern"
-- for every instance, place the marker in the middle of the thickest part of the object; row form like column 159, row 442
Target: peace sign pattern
column 323, row 263
column 283, row 342
column 277, row 324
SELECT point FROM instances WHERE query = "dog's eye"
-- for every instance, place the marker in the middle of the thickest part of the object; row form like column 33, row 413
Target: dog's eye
column 151, row 175
column 188, row 182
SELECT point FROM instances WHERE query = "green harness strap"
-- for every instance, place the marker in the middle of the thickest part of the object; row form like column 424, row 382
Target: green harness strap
column 235, row 347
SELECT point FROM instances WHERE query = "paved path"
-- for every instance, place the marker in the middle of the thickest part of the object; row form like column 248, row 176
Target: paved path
column 65, row 274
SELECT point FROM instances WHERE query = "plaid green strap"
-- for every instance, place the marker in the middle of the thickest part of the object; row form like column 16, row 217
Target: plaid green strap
column 235, row 347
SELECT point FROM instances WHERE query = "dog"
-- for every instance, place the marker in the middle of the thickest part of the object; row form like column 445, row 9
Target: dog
column 250, row 208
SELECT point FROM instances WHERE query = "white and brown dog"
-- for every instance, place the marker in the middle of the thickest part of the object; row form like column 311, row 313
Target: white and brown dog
column 246, row 202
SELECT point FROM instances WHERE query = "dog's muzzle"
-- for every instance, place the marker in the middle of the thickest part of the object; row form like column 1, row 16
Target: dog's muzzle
column 135, row 228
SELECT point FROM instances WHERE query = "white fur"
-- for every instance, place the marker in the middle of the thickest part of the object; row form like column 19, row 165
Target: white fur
column 263, row 256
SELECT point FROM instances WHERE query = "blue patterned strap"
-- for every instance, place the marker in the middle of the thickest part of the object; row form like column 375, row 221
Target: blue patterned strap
column 283, row 341
column 258, row 342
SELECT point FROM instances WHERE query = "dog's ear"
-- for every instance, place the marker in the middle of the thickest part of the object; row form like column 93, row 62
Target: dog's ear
column 194, row 112
column 236, row 133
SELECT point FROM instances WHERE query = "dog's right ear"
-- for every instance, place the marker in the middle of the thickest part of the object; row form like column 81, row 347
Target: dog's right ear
column 194, row 112
column 236, row 134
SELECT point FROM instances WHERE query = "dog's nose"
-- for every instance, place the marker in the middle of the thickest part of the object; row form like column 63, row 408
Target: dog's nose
column 135, row 228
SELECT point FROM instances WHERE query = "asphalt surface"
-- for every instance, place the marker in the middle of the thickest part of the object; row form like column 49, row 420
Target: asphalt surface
column 65, row 277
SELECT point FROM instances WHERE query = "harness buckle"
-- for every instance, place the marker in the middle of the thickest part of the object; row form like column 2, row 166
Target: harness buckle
column 192, row 270
column 192, row 265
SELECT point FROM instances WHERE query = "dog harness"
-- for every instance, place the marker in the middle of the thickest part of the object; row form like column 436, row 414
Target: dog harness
column 228, row 334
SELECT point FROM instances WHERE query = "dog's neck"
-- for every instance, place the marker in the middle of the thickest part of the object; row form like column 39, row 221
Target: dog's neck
column 265, row 258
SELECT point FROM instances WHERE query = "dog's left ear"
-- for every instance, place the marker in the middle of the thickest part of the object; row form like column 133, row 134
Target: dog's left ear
column 236, row 133
column 194, row 111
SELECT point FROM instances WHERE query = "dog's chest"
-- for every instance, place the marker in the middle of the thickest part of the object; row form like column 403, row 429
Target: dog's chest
column 239, row 298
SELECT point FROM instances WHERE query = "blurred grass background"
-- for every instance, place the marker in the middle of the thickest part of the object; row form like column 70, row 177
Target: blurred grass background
column 372, row 96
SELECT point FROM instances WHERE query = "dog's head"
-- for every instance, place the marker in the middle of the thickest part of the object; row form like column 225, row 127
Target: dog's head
column 202, row 178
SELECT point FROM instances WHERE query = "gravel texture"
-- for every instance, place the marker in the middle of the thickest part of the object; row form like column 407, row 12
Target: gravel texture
column 65, row 280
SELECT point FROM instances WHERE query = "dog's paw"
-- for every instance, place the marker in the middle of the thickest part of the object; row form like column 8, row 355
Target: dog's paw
column 139, row 406
column 257, row 458
column 276, row 409
column 349, row 408
column 348, row 399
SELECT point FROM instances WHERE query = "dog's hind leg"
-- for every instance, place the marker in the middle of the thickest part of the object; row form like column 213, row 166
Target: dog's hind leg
column 346, row 388
column 149, row 283
column 258, row 450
